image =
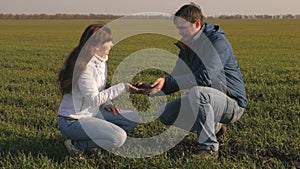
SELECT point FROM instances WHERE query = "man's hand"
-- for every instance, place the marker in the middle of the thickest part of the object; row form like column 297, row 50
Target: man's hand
column 143, row 85
column 115, row 110
column 156, row 86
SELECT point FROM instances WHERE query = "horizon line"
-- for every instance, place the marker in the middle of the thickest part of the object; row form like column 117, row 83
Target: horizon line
column 144, row 14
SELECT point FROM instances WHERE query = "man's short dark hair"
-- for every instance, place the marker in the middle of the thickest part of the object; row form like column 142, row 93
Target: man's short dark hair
column 190, row 12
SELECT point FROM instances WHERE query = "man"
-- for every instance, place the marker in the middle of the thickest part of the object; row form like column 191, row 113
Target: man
column 208, row 68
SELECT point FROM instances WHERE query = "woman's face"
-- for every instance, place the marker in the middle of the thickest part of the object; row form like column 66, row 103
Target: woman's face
column 103, row 49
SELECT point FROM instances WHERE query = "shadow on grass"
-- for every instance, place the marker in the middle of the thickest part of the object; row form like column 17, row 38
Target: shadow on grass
column 230, row 151
column 52, row 148
column 267, row 157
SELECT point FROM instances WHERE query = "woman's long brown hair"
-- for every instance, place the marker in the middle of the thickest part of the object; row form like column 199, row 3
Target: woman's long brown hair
column 97, row 33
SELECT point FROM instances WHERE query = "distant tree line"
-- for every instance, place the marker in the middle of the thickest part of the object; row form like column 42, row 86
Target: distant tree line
column 57, row 16
column 288, row 16
column 112, row 17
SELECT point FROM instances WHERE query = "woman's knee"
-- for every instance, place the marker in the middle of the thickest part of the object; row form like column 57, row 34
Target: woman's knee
column 119, row 138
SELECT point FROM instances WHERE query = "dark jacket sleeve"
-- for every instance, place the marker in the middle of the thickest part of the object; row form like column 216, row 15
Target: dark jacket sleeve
column 205, row 68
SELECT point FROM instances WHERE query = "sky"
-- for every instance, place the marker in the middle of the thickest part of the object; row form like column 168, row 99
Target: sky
column 127, row 7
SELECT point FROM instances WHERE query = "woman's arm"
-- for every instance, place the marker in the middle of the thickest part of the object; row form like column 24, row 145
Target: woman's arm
column 89, row 90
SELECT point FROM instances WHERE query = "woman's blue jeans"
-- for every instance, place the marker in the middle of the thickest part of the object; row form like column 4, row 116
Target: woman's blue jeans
column 105, row 130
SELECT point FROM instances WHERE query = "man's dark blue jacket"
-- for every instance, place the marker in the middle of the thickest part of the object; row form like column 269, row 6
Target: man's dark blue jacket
column 207, row 61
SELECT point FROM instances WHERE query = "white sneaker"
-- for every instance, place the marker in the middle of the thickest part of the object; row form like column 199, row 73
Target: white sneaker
column 72, row 149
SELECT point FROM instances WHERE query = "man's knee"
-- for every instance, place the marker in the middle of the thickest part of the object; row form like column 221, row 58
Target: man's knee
column 199, row 93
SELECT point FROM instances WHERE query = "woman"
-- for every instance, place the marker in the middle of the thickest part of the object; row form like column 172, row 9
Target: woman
column 82, row 83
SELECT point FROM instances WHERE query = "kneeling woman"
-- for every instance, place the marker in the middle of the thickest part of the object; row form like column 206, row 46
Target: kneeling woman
column 82, row 84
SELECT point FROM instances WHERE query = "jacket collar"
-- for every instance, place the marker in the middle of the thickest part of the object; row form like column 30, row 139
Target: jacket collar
column 197, row 36
column 102, row 59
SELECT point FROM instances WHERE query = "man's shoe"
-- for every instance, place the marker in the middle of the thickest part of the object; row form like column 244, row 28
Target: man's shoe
column 207, row 154
column 220, row 130
column 72, row 149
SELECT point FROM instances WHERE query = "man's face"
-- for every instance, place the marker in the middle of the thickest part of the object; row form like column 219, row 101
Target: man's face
column 186, row 29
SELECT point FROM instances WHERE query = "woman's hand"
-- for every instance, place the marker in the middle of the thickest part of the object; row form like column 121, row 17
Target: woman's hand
column 131, row 89
column 115, row 110
column 141, row 87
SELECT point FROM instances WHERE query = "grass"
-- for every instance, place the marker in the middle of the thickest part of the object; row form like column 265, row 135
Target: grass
column 267, row 135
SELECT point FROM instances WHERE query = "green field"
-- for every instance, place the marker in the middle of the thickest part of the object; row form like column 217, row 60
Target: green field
column 267, row 135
